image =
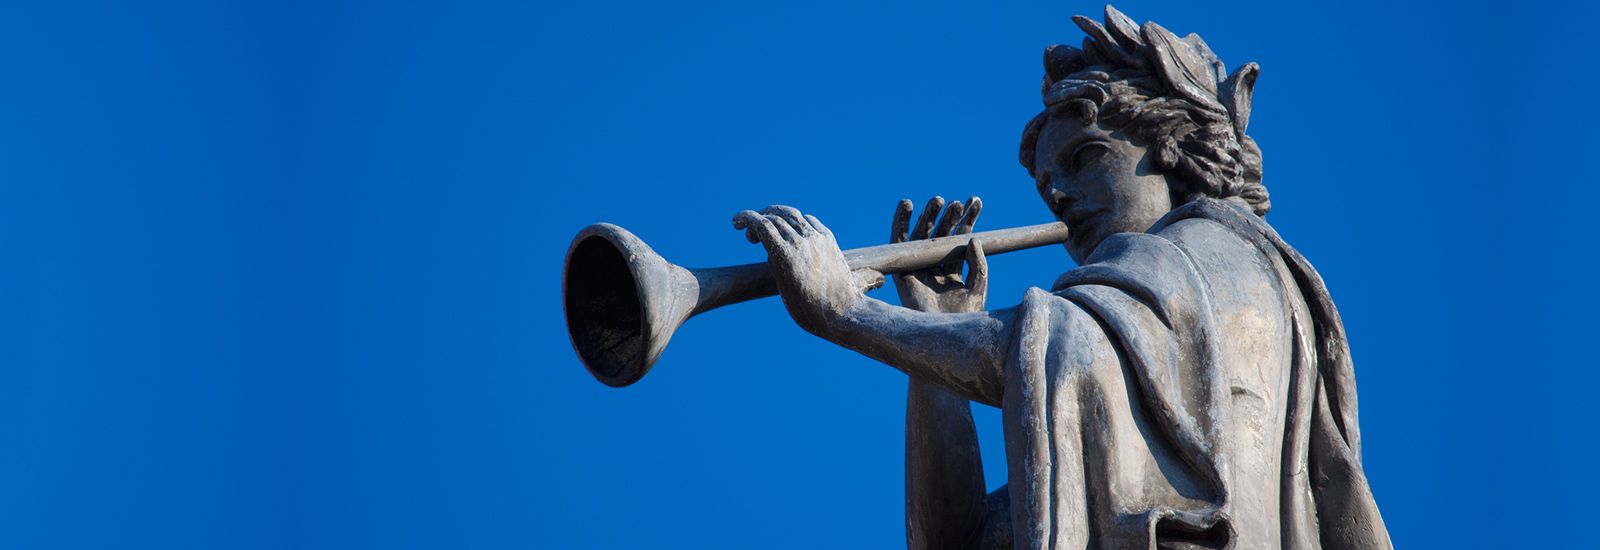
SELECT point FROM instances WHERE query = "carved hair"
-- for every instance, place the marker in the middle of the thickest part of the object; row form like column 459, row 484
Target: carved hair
column 1171, row 94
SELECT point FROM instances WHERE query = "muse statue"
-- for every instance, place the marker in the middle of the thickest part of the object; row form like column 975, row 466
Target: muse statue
column 1188, row 385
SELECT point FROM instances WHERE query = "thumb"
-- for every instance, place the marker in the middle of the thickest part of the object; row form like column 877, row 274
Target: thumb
column 867, row 279
column 977, row 268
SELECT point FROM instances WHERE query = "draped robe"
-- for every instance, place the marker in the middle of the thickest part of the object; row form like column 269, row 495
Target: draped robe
column 1187, row 387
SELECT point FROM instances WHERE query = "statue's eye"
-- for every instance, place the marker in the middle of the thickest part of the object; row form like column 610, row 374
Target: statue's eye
column 1087, row 154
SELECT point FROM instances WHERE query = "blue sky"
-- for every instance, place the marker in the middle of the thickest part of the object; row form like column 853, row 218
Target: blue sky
column 288, row 274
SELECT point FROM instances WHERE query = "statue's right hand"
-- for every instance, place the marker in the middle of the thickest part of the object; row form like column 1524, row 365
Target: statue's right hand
column 811, row 273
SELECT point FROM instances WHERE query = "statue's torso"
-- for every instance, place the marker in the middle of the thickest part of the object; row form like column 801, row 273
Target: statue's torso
column 1167, row 364
column 1257, row 308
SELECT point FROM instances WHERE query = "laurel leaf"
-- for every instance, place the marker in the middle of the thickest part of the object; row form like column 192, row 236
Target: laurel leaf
column 1219, row 72
column 1182, row 68
column 1106, row 45
column 1091, row 54
column 1237, row 93
column 1124, row 30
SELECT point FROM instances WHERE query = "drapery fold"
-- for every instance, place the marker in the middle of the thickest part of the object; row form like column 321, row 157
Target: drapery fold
column 1123, row 393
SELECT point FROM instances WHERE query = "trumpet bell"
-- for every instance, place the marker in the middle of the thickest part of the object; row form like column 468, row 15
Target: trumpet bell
column 622, row 302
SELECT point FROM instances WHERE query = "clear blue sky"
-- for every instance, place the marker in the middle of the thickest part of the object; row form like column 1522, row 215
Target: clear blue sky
column 287, row 274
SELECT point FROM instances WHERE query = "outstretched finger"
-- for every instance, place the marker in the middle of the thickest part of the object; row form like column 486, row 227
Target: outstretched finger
column 902, row 221
column 977, row 268
column 786, row 231
column 970, row 217
column 793, row 218
column 952, row 213
column 757, row 228
column 929, row 214
column 817, row 224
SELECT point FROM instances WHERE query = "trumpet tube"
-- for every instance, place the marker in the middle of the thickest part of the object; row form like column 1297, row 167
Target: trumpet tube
column 623, row 301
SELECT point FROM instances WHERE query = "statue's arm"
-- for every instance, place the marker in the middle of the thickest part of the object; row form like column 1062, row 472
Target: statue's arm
column 945, row 504
column 944, row 469
column 961, row 352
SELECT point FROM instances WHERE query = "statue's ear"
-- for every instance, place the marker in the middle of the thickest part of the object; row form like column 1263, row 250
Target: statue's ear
column 1237, row 93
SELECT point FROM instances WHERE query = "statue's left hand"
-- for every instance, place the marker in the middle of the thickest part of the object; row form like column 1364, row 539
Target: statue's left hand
column 816, row 284
column 941, row 289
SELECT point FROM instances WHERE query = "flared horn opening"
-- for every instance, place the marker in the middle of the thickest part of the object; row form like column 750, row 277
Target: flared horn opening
column 607, row 306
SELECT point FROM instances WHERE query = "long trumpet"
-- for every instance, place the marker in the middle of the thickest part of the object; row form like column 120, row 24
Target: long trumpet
column 623, row 301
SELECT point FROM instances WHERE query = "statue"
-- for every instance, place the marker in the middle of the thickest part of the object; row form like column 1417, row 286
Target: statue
column 1188, row 386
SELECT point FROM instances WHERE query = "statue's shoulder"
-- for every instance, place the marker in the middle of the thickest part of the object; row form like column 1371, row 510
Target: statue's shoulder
column 1143, row 264
column 1206, row 239
column 1219, row 220
column 1239, row 256
column 1200, row 242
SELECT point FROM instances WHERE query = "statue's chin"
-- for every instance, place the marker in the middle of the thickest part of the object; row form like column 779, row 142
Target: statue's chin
column 1082, row 240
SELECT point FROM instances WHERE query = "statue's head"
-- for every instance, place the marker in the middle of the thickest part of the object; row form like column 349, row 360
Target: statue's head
column 1137, row 122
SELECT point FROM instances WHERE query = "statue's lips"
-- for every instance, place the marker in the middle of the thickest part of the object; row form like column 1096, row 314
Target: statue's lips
column 1076, row 217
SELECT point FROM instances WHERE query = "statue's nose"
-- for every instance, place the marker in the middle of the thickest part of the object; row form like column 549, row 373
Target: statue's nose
column 1059, row 196
column 1059, row 201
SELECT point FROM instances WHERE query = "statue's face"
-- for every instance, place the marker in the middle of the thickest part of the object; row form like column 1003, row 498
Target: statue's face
column 1098, row 183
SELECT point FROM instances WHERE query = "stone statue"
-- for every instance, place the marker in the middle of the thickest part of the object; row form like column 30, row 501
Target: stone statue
column 1189, row 386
